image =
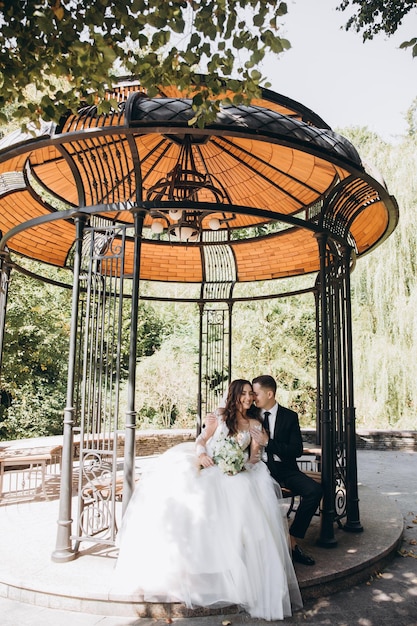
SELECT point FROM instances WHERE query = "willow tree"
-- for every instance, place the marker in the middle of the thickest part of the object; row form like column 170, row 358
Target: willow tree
column 70, row 52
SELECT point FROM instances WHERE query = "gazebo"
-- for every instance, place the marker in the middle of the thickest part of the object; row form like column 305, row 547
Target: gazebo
column 264, row 192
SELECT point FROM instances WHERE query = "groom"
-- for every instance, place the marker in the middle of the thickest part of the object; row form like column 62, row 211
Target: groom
column 283, row 445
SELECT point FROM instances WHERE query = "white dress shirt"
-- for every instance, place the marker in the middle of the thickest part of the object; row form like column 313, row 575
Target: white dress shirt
column 272, row 419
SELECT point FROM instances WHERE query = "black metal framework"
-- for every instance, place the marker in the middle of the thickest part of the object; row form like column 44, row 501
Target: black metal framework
column 108, row 183
column 216, row 307
column 4, row 292
column 216, row 325
column 96, row 379
column 336, row 411
column 95, row 373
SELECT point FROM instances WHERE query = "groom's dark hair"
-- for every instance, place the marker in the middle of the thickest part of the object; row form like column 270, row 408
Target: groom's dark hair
column 266, row 381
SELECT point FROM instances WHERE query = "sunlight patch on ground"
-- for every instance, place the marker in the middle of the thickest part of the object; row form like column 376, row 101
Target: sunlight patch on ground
column 381, row 596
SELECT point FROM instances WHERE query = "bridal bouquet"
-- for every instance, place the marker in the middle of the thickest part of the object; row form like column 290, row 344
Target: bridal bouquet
column 229, row 456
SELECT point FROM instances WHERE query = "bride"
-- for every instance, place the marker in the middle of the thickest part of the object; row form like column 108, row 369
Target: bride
column 205, row 526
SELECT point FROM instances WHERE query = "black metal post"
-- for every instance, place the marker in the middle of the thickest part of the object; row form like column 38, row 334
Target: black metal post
column 63, row 549
column 130, row 424
column 327, row 538
column 229, row 348
column 353, row 523
column 318, row 367
column 4, row 292
column 336, row 358
column 200, row 369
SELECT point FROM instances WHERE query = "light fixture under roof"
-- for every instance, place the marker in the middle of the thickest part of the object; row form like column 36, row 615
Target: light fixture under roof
column 184, row 183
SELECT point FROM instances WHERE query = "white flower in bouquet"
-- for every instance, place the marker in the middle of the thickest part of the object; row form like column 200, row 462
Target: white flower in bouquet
column 229, row 456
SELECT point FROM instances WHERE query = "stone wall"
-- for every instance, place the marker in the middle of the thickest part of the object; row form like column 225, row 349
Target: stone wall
column 376, row 439
column 387, row 439
column 149, row 442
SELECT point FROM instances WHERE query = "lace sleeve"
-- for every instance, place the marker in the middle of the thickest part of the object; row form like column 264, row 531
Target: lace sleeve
column 200, row 445
column 211, row 422
column 256, row 449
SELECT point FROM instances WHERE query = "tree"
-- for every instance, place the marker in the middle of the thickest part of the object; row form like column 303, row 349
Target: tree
column 34, row 369
column 70, row 52
column 35, row 358
column 374, row 16
column 411, row 119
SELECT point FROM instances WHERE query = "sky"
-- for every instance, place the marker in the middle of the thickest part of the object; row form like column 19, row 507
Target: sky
column 345, row 81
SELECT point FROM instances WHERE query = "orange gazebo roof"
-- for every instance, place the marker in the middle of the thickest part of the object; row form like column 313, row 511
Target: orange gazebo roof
column 271, row 175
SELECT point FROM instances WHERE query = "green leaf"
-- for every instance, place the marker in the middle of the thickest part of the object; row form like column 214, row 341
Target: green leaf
column 39, row 45
column 282, row 9
column 195, row 40
column 178, row 25
column 408, row 44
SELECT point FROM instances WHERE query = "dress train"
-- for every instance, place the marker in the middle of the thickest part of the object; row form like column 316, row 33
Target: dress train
column 204, row 538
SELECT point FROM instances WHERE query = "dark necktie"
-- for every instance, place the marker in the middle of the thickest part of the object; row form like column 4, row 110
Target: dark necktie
column 266, row 422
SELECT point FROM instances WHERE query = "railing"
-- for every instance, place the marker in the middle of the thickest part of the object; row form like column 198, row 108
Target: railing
column 29, row 473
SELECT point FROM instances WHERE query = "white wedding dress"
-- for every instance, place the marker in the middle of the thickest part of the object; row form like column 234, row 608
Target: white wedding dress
column 204, row 538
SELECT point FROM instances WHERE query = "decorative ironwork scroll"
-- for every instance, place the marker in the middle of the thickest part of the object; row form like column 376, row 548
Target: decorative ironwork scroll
column 215, row 356
column 335, row 398
column 215, row 322
column 98, row 378
column 96, row 516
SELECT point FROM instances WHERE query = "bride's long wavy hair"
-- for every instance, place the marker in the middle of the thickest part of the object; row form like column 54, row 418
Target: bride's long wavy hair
column 232, row 401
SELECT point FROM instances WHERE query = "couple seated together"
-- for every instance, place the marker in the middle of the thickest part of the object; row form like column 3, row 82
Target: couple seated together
column 206, row 525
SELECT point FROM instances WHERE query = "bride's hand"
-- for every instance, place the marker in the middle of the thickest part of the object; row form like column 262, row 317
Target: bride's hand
column 205, row 460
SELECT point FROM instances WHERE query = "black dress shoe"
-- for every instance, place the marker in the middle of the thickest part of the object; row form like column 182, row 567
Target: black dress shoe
column 301, row 557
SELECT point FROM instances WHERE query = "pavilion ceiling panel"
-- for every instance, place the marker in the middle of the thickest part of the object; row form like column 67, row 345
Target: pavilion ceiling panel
column 255, row 174
column 46, row 154
column 265, row 175
column 50, row 242
column 355, row 210
column 15, row 164
column 276, row 256
column 85, row 120
column 162, row 262
column 369, row 226
column 106, row 168
column 58, row 178
column 157, row 157
column 19, row 207
column 271, row 257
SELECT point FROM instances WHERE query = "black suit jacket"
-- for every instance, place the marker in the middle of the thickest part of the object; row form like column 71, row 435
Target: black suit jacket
column 286, row 442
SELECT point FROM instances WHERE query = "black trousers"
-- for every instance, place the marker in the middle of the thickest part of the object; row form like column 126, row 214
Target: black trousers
column 301, row 485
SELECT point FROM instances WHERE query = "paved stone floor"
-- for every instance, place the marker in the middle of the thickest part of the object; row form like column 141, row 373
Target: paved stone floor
column 388, row 598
